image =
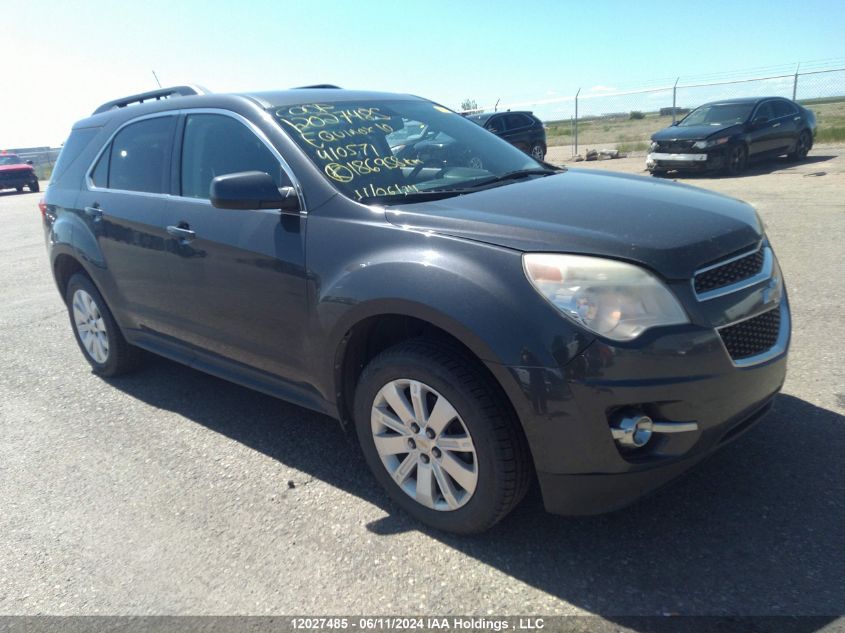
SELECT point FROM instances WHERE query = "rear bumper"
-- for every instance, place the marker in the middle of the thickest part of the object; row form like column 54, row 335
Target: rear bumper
column 681, row 375
column 9, row 181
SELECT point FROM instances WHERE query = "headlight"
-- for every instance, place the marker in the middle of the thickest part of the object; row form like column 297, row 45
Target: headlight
column 653, row 147
column 611, row 298
column 710, row 143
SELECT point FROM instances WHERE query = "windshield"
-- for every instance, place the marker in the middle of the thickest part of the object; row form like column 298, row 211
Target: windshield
column 10, row 159
column 398, row 150
column 718, row 114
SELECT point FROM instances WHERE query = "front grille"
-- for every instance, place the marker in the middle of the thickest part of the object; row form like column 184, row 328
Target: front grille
column 752, row 336
column 674, row 147
column 730, row 273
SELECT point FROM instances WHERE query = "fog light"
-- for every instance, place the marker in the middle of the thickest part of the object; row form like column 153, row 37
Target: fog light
column 632, row 431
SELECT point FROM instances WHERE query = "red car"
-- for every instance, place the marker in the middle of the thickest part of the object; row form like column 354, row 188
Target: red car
column 15, row 173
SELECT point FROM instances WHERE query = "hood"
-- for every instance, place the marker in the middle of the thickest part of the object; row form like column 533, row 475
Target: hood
column 673, row 229
column 21, row 167
column 694, row 132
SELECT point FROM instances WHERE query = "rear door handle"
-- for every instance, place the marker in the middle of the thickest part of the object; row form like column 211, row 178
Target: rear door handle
column 94, row 212
column 182, row 233
column 776, row 125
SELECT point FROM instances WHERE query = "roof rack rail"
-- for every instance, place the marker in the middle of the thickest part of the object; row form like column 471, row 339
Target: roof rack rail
column 155, row 95
column 315, row 86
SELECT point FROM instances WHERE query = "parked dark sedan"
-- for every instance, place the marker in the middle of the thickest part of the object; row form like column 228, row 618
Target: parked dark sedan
column 726, row 135
column 520, row 129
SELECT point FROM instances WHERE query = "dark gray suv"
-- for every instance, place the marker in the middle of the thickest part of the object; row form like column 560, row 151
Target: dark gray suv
column 481, row 327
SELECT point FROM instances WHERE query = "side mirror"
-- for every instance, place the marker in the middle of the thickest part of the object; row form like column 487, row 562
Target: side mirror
column 29, row 162
column 252, row 190
column 675, row 123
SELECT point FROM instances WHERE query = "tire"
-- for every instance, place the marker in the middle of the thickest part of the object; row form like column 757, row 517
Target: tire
column 538, row 152
column 19, row 189
column 34, row 187
column 802, row 146
column 736, row 160
column 104, row 347
column 493, row 468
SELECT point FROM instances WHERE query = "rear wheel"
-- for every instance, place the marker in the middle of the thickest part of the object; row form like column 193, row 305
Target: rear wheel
column 97, row 334
column 437, row 435
column 19, row 189
column 737, row 160
column 34, row 187
column 802, row 146
column 538, row 152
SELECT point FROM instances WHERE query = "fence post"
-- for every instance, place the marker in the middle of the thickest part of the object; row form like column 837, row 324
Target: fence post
column 674, row 99
column 795, row 83
column 576, row 121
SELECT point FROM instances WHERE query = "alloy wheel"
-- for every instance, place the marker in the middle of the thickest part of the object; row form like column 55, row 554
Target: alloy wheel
column 424, row 445
column 537, row 152
column 90, row 326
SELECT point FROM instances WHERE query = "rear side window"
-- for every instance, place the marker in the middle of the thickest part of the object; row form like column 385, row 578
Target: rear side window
column 73, row 147
column 782, row 108
column 140, row 156
column 100, row 175
column 516, row 121
column 215, row 144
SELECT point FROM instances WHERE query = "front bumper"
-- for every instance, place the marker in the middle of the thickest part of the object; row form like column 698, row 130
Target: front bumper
column 701, row 161
column 684, row 374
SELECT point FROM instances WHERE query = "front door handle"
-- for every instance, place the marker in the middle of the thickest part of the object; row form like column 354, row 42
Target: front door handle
column 182, row 233
column 776, row 125
column 95, row 212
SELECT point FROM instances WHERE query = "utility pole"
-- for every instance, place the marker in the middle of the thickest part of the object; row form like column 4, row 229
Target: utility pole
column 795, row 83
column 156, row 78
column 576, row 121
column 674, row 99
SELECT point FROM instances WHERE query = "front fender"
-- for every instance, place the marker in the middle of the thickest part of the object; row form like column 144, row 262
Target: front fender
column 475, row 292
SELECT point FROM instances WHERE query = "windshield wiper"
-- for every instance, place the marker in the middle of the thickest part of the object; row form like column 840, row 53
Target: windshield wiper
column 513, row 175
column 416, row 196
column 440, row 194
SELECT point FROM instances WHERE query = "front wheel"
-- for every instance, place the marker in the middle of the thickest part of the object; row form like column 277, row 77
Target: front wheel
column 439, row 438
column 34, row 187
column 538, row 152
column 97, row 334
column 737, row 159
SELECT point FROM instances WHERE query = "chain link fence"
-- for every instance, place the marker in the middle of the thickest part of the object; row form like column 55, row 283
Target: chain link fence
column 601, row 117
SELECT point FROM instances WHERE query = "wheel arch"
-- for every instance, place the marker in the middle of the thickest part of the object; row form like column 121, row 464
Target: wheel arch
column 383, row 324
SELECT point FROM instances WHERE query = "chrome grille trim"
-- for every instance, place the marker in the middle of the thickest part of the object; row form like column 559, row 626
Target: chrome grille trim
column 773, row 352
column 764, row 274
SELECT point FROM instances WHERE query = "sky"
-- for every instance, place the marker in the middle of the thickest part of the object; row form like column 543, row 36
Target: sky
column 66, row 57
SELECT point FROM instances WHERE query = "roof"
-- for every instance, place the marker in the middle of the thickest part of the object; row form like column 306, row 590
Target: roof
column 184, row 97
column 321, row 95
column 486, row 115
column 742, row 100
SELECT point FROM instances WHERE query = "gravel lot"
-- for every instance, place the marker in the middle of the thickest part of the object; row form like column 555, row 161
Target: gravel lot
column 172, row 492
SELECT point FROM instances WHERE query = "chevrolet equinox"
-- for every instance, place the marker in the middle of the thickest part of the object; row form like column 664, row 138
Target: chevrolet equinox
column 482, row 319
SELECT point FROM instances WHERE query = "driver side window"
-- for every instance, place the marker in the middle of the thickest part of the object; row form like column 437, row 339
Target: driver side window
column 216, row 144
column 765, row 110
